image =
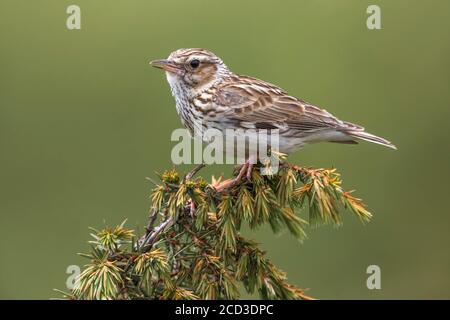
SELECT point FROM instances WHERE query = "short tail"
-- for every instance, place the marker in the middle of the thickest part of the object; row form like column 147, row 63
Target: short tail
column 359, row 134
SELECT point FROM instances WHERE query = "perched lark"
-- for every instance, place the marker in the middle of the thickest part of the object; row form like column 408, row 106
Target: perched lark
column 209, row 95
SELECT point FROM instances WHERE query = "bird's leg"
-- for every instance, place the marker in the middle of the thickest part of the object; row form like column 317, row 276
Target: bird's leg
column 246, row 170
column 242, row 172
column 192, row 208
column 230, row 183
column 250, row 163
column 191, row 204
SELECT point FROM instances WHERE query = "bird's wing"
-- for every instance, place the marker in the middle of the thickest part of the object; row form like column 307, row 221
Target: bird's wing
column 256, row 103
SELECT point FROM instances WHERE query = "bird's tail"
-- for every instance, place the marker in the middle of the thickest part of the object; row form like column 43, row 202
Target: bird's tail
column 360, row 134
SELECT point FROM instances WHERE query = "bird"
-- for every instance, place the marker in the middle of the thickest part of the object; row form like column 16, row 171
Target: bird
column 209, row 95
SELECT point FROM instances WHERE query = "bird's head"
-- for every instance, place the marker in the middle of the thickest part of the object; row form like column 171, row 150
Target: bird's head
column 192, row 69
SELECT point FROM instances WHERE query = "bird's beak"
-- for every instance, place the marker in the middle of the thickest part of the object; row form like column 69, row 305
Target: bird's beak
column 165, row 65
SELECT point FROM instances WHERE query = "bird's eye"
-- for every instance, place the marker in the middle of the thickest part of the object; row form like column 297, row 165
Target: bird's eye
column 194, row 63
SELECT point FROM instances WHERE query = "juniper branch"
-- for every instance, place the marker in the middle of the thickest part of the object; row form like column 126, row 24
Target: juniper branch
column 196, row 250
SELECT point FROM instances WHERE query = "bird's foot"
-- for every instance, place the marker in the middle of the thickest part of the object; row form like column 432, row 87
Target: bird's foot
column 245, row 170
column 192, row 208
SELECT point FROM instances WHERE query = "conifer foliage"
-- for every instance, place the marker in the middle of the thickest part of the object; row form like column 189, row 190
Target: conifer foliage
column 192, row 247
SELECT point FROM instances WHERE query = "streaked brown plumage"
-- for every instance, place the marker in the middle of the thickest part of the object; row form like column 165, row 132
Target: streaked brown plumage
column 209, row 95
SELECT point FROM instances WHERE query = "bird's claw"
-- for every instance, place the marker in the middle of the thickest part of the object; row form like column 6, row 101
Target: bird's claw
column 245, row 170
column 249, row 172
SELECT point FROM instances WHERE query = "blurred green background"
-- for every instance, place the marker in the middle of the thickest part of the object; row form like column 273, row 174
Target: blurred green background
column 84, row 119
